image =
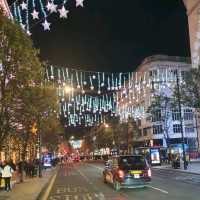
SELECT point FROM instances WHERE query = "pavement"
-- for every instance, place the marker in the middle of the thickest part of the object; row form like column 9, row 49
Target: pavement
column 30, row 189
column 83, row 181
column 193, row 167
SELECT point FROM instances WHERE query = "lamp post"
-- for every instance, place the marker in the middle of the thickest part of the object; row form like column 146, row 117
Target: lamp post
column 181, row 120
column 197, row 127
column 40, row 153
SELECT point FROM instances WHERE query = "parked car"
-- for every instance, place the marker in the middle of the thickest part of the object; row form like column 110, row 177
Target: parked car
column 127, row 171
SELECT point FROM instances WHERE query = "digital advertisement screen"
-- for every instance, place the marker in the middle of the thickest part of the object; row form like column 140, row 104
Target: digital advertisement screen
column 47, row 160
column 155, row 156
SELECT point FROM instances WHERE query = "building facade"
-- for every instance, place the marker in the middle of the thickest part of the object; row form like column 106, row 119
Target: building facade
column 193, row 13
column 192, row 7
column 5, row 7
column 157, row 75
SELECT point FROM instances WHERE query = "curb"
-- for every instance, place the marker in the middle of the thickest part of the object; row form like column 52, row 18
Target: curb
column 173, row 170
column 46, row 188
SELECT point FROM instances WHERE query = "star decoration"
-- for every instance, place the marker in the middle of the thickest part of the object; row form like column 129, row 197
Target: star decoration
column 35, row 14
column 48, row 6
column 79, row 3
column 28, row 32
column 23, row 26
column 24, row 5
column 46, row 25
column 63, row 12
column 53, row 7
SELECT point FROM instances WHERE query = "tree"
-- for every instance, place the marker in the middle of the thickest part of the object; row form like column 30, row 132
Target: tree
column 160, row 110
column 51, row 130
column 190, row 89
column 19, row 68
column 36, row 105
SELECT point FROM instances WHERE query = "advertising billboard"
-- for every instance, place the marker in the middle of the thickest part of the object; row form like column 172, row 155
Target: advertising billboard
column 155, row 156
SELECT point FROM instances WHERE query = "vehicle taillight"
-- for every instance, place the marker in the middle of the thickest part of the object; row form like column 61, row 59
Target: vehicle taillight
column 121, row 174
column 149, row 172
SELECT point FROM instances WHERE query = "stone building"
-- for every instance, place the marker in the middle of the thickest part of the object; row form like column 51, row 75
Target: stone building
column 4, row 5
column 157, row 75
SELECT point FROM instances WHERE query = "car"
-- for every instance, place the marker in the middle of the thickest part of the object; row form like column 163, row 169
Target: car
column 127, row 171
column 76, row 159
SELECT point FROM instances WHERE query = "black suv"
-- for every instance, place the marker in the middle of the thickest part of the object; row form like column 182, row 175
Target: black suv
column 127, row 171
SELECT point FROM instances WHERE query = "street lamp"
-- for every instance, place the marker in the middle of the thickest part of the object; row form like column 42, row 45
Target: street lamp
column 68, row 89
column 106, row 125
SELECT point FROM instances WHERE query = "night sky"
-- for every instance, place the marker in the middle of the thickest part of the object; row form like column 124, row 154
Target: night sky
column 108, row 35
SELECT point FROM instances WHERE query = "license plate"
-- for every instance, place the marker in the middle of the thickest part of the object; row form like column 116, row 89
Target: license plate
column 136, row 172
column 136, row 176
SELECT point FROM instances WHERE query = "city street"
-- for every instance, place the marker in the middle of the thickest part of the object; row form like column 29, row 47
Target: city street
column 83, row 181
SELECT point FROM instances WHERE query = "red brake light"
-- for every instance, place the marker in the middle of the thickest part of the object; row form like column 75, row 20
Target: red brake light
column 121, row 174
column 149, row 172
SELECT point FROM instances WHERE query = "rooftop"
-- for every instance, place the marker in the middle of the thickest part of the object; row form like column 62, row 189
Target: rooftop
column 166, row 58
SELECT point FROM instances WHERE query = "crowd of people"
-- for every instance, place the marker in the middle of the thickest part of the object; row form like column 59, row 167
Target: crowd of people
column 8, row 168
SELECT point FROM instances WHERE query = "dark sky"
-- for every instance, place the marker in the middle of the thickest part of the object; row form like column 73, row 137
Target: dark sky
column 114, row 35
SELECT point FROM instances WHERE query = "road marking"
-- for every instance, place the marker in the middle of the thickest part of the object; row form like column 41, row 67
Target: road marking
column 47, row 192
column 155, row 188
column 99, row 168
column 101, row 196
column 85, row 177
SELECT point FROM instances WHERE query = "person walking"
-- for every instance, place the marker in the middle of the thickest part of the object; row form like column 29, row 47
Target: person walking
column 6, row 175
column 1, row 169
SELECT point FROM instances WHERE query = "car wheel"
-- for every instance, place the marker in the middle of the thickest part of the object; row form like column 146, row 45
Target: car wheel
column 116, row 185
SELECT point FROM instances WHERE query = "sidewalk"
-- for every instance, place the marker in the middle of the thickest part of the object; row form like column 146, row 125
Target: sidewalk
column 29, row 189
column 193, row 167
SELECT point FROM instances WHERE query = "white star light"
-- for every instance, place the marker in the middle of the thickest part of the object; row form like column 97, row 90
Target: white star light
column 48, row 6
column 79, row 3
column 35, row 14
column 52, row 7
column 24, row 5
column 28, row 32
column 63, row 12
column 23, row 26
column 46, row 25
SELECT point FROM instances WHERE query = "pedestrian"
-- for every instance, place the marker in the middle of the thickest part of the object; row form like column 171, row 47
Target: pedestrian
column 6, row 175
column 187, row 159
column 1, row 169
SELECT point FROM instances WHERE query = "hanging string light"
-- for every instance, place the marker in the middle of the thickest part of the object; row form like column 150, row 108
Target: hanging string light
column 29, row 13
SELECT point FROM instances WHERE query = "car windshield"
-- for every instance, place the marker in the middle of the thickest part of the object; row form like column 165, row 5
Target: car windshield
column 132, row 162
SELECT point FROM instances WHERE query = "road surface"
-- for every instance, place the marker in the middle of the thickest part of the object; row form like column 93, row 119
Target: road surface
column 83, row 181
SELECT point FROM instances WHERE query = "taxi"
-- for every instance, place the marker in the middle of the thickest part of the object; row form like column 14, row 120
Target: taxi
column 127, row 171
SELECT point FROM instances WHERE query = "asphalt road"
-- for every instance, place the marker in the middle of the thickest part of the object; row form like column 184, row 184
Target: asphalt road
column 83, row 181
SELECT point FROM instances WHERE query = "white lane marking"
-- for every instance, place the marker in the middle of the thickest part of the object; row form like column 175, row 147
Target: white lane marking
column 99, row 168
column 155, row 188
column 85, row 177
column 101, row 196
